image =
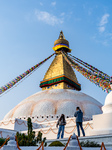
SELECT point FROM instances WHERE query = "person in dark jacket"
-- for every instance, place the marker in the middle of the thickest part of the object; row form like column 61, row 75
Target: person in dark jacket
column 61, row 122
column 79, row 119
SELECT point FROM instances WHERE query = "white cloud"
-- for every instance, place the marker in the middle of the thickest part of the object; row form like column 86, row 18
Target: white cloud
column 90, row 10
column 53, row 3
column 101, row 29
column 41, row 3
column 103, row 22
column 47, row 18
column 105, row 43
column 62, row 14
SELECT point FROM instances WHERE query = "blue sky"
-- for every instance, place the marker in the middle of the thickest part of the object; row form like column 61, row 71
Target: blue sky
column 28, row 30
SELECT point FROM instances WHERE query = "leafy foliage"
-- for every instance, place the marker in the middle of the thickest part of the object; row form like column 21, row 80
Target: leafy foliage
column 56, row 143
column 40, row 140
column 89, row 144
column 2, row 140
column 30, row 139
column 23, row 140
column 30, row 128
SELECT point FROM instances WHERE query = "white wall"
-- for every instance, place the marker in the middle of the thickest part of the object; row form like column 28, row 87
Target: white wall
column 51, row 131
column 4, row 133
column 21, row 125
column 17, row 124
column 7, row 124
column 102, row 124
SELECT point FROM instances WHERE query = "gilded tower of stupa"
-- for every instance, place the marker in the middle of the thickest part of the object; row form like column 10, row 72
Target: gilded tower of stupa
column 60, row 74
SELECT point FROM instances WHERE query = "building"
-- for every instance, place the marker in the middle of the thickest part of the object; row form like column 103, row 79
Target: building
column 61, row 93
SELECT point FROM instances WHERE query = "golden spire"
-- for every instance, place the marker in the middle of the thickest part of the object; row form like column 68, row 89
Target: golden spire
column 60, row 74
column 61, row 36
column 61, row 43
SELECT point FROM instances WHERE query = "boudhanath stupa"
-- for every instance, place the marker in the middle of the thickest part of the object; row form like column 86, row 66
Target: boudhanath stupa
column 61, row 94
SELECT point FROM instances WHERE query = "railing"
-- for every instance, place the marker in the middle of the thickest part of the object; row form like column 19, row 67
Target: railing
column 42, row 145
column 17, row 143
column 79, row 143
column 102, row 146
column 4, row 142
column 67, row 143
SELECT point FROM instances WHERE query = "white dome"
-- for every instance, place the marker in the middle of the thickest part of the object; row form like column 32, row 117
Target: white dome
column 108, row 99
column 107, row 108
column 54, row 103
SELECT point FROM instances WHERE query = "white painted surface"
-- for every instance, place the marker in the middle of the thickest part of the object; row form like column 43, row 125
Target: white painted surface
column 70, row 128
column 73, row 148
column 108, row 99
column 47, row 105
column 18, row 124
column 7, row 124
column 9, row 147
column 21, row 125
column 103, row 121
column 54, row 103
column 5, row 133
column 61, row 148
column 102, row 124
column 55, row 148
column 107, row 108
column 94, row 148
column 45, row 148
column 44, row 127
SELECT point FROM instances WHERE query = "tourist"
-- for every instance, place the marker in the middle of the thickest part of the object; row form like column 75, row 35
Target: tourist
column 79, row 119
column 61, row 122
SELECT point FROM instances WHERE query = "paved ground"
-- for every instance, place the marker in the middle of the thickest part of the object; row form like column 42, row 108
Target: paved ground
column 60, row 148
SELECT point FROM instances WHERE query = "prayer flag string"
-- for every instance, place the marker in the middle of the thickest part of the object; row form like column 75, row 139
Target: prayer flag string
column 95, row 70
column 100, row 81
column 20, row 77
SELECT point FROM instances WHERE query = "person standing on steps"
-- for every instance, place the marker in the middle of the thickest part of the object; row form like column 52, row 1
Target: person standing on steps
column 61, row 122
column 79, row 119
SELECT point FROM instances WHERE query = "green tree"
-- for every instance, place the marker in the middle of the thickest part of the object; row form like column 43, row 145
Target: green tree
column 2, row 140
column 40, row 140
column 29, row 139
column 39, row 137
column 30, row 129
